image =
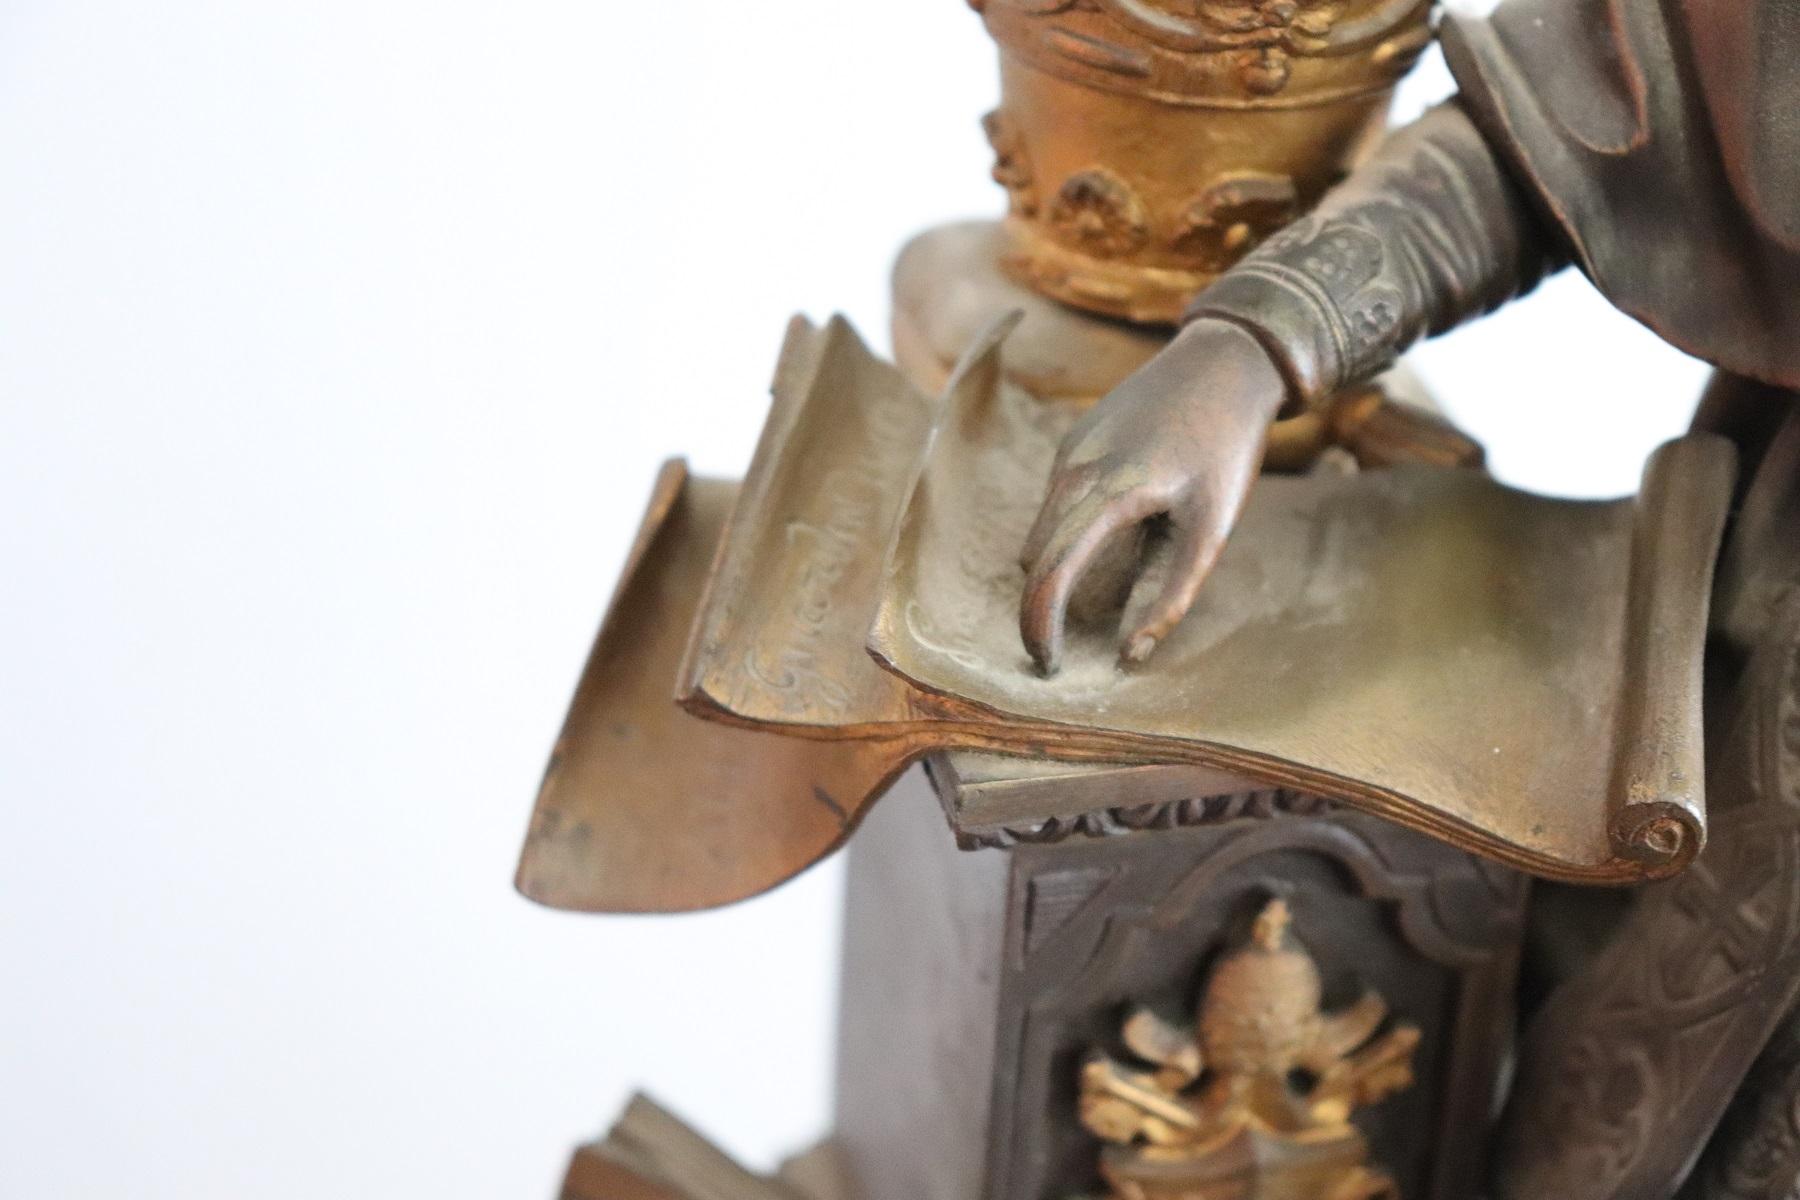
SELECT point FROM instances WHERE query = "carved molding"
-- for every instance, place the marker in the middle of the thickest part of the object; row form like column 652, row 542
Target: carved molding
column 1198, row 812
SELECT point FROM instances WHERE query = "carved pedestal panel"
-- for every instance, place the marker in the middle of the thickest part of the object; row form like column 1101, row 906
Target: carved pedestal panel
column 979, row 983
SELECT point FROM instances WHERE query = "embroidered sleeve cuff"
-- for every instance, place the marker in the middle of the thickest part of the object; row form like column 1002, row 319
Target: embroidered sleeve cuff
column 1281, row 308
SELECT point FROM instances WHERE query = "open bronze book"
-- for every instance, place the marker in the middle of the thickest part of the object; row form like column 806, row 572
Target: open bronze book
column 1517, row 675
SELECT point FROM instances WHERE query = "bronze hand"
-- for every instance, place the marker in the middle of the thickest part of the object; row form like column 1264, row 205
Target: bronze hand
column 1181, row 439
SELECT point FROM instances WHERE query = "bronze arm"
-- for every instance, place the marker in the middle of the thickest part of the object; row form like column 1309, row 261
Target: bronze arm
column 1426, row 233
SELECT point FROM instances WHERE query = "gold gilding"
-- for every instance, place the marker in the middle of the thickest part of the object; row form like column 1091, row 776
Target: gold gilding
column 1146, row 145
column 1253, row 1100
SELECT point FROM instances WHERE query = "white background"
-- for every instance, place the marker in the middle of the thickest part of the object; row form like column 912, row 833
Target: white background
column 339, row 343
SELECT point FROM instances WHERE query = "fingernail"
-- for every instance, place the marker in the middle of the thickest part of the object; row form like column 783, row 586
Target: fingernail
column 1140, row 648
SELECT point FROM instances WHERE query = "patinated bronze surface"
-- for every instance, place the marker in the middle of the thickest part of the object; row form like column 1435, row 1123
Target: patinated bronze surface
column 647, row 809
column 1755, row 1152
column 1629, row 1065
column 1640, row 123
column 1394, row 665
column 1635, row 1056
column 779, row 647
column 1761, row 562
column 1426, row 233
column 651, row 1154
column 778, row 641
column 965, row 1023
column 1370, row 584
column 1584, row 131
column 948, row 286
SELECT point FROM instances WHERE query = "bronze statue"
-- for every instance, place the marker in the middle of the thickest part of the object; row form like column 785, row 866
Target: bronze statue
column 1271, row 650
column 1650, row 143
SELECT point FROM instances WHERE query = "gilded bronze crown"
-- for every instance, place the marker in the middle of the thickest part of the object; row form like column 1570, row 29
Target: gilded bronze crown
column 1146, row 145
